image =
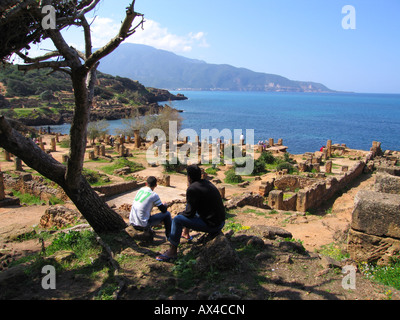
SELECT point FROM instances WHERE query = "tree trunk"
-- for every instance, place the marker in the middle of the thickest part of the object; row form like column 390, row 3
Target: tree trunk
column 98, row 214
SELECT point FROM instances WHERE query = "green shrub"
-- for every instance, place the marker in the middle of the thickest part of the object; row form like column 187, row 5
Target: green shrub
column 232, row 177
column 267, row 157
column 174, row 166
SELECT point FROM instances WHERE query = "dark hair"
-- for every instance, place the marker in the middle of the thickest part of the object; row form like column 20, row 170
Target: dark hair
column 151, row 181
column 194, row 172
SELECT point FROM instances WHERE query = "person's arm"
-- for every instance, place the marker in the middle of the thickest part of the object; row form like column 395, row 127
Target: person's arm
column 163, row 208
column 191, row 204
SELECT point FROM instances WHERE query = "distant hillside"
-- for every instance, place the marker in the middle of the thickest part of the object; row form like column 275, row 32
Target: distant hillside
column 163, row 69
column 40, row 98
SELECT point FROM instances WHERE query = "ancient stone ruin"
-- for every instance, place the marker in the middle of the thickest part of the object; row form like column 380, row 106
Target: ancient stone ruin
column 316, row 182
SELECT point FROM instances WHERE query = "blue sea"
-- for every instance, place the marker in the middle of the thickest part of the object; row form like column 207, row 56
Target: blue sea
column 305, row 121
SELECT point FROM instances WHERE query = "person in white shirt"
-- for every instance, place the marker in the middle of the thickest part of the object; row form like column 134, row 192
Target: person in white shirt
column 145, row 199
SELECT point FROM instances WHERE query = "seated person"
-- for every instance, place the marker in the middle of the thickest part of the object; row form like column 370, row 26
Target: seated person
column 204, row 212
column 140, row 216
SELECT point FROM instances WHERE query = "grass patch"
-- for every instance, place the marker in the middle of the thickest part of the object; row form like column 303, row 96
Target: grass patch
column 235, row 226
column 334, row 251
column 95, row 178
column 28, row 199
column 387, row 275
column 121, row 163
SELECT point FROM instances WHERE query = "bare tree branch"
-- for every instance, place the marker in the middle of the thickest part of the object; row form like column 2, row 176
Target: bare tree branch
column 43, row 65
column 124, row 32
column 47, row 56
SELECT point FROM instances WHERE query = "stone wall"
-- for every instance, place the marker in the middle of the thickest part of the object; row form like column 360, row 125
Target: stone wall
column 118, row 188
column 313, row 192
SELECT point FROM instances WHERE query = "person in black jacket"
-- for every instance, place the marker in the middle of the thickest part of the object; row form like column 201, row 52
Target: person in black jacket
column 204, row 212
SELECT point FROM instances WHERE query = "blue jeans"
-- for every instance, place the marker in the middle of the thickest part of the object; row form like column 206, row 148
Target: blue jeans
column 196, row 223
column 156, row 219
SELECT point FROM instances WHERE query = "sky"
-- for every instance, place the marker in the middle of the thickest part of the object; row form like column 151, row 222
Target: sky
column 306, row 40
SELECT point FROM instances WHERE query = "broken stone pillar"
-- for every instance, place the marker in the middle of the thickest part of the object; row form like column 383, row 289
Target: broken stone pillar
column 122, row 151
column 103, row 150
column 328, row 166
column 266, row 187
column 280, row 142
column 2, row 191
column 165, row 180
column 91, row 155
column 303, row 167
column 41, row 145
column 275, row 199
column 271, row 142
column 7, row 155
column 18, row 164
column 96, row 150
column 53, row 145
column 315, row 167
column 137, row 139
column 329, row 148
column 222, row 192
column 302, row 201
column 324, row 154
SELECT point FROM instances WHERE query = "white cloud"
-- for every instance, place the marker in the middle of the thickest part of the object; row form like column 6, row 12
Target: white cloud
column 152, row 34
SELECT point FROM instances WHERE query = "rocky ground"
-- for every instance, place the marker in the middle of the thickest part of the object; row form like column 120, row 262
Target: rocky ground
column 263, row 254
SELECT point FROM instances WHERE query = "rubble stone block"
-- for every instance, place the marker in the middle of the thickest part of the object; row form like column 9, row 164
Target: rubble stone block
column 377, row 213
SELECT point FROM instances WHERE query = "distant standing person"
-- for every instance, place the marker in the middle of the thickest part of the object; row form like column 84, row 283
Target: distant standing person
column 145, row 199
column 205, row 212
column 242, row 139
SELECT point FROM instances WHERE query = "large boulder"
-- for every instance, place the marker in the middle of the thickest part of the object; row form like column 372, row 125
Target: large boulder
column 387, row 183
column 217, row 254
column 60, row 217
column 377, row 213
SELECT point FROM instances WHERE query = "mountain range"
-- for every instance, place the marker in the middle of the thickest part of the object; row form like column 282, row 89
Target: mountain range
column 164, row 69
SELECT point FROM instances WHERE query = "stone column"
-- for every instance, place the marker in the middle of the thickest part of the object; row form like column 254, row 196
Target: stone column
column 328, row 166
column 137, row 139
column 96, row 150
column 91, row 155
column 222, row 192
column 7, row 155
column 329, row 147
column 275, row 199
column 103, row 150
column 53, row 145
column 18, row 164
column 271, row 142
column 122, row 150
